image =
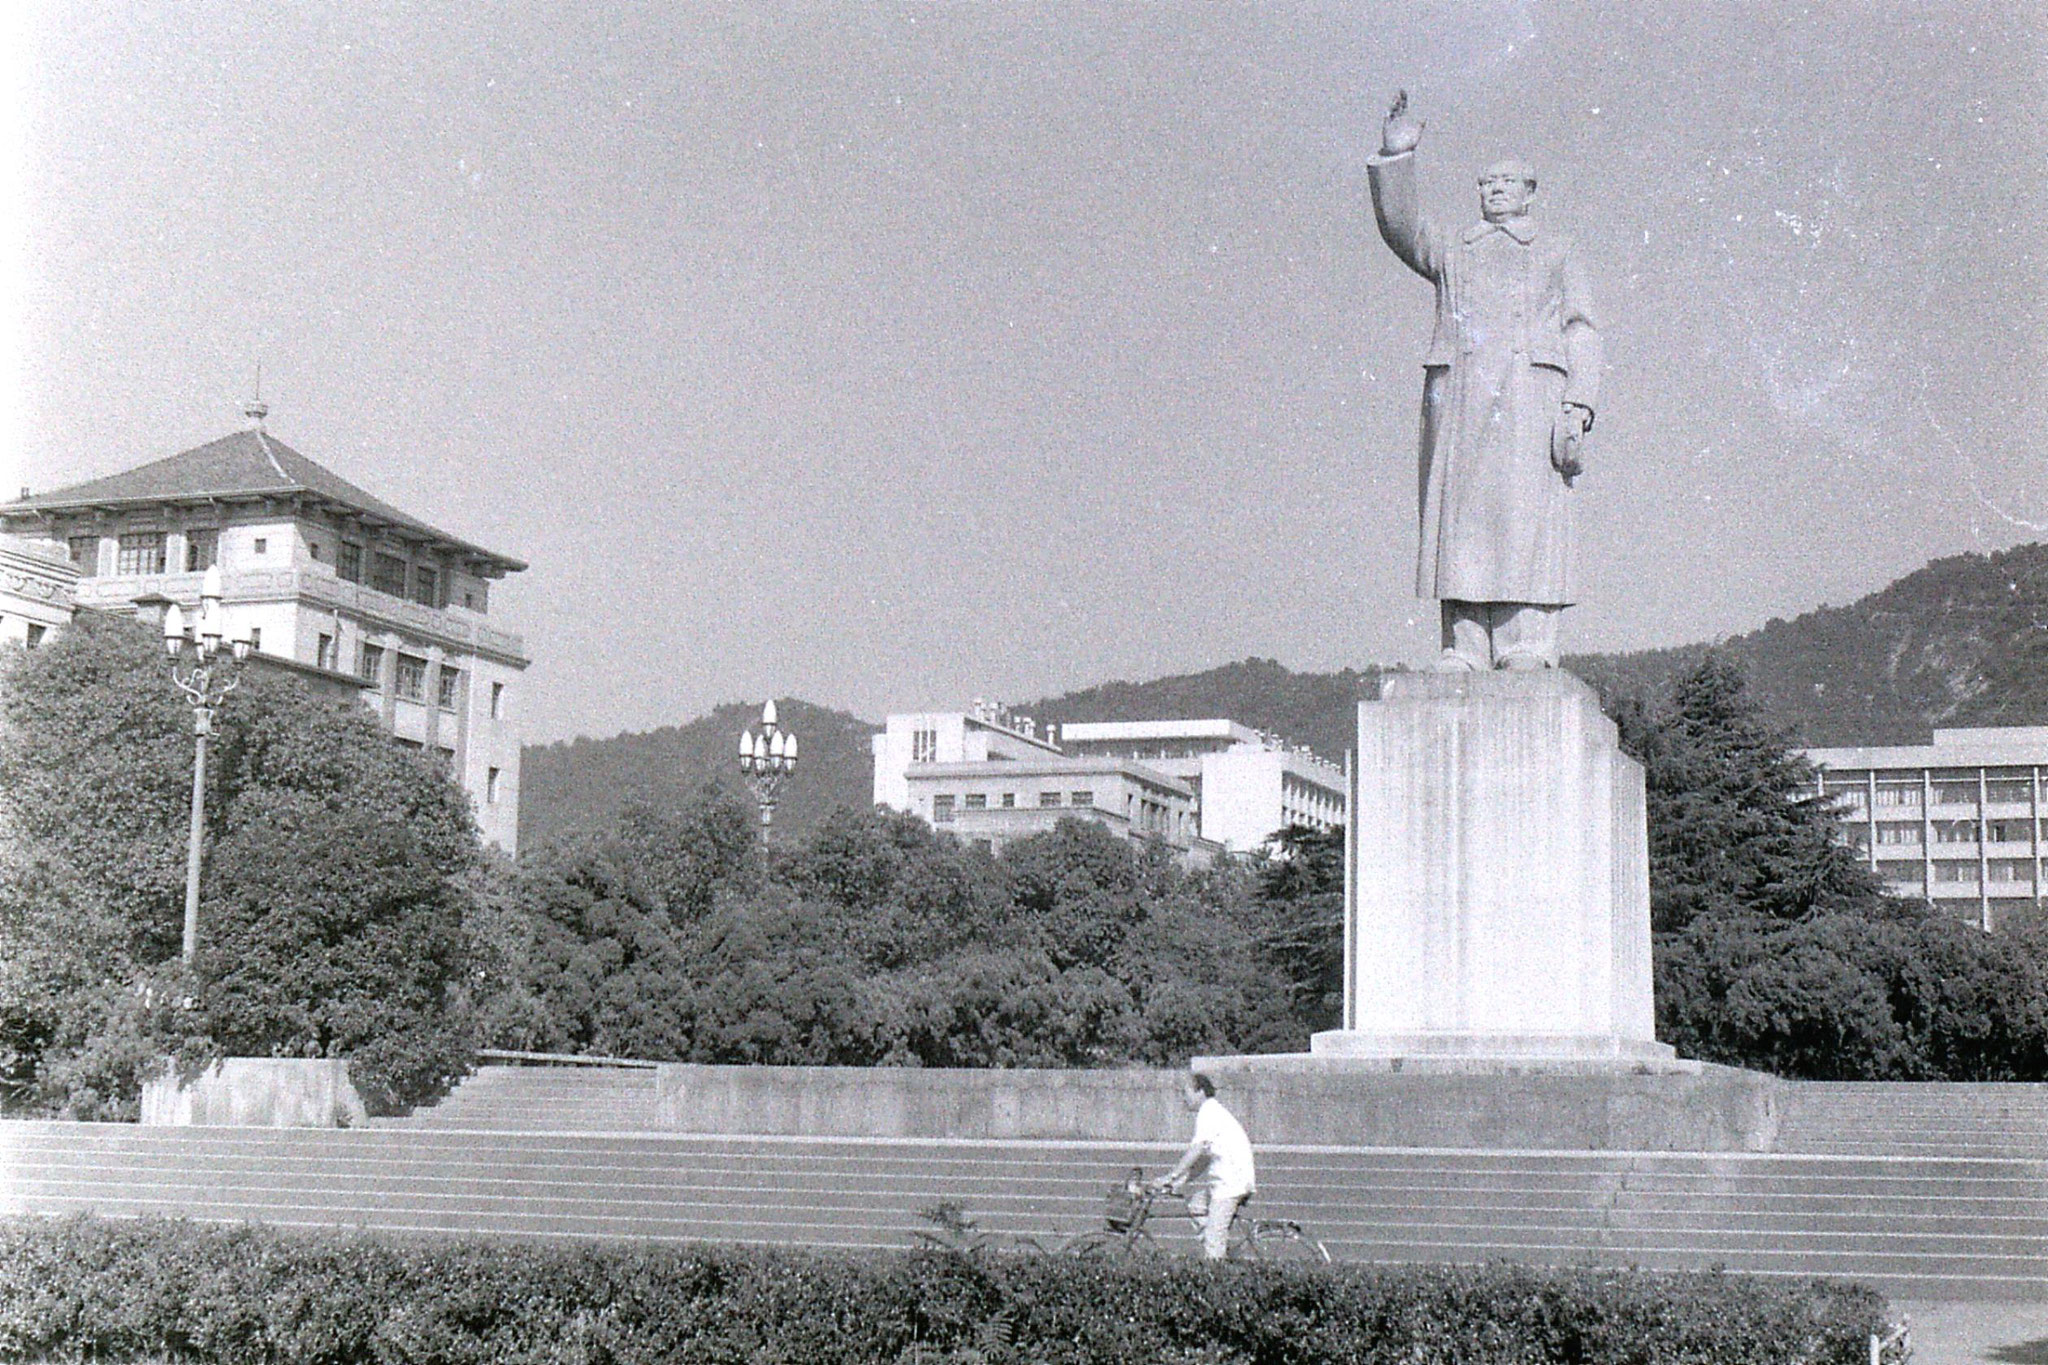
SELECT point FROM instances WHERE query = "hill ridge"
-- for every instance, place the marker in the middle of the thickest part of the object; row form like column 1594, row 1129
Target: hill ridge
column 1962, row 640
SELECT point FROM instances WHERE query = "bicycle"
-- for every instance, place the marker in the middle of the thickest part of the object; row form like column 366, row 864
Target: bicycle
column 1129, row 1209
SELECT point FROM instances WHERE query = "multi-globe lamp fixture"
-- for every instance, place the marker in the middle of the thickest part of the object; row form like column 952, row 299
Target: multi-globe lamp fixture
column 767, row 758
column 206, row 684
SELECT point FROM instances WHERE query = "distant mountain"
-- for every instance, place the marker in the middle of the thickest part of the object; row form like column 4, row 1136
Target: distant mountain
column 1316, row 709
column 1963, row 641
column 582, row 783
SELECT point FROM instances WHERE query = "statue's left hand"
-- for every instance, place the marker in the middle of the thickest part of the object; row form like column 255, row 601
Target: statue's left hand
column 1568, row 441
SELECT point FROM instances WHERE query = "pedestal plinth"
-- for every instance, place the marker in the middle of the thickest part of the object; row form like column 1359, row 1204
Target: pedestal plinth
column 1499, row 895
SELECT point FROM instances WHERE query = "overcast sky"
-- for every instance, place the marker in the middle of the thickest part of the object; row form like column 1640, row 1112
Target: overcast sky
column 891, row 355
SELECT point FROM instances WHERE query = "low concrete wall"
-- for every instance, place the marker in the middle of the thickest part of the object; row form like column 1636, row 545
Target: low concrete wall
column 851, row 1101
column 258, row 1092
column 1319, row 1100
column 1281, row 1100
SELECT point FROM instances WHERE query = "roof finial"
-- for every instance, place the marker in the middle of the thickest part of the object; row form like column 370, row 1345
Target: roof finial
column 256, row 409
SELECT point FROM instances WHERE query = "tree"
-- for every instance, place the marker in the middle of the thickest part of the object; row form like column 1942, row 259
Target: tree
column 336, row 874
column 1735, row 824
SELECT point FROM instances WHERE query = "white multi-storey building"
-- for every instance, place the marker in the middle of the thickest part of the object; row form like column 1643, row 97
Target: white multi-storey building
column 1248, row 786
column 36, row 587
column 318, row 573
column 1205, row 786
column 1960, row 821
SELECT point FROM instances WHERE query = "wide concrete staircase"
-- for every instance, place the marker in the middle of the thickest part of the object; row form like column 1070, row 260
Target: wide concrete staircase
column 1917, row 1226
column 1929, row 1119
column 561, row 1099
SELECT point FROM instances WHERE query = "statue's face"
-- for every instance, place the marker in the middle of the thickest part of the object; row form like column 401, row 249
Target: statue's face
column 1505, row 191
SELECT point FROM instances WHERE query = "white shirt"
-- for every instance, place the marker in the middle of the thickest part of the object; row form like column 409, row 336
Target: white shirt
column 1230, row 1151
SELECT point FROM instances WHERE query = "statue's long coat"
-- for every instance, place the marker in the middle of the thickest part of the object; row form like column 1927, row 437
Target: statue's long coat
column 1515, row 339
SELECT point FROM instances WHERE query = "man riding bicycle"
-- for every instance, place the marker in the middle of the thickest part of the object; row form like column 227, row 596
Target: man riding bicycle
column 1220, row 1151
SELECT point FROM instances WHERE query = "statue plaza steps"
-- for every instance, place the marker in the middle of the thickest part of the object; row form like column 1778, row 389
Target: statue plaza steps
column 1917, row 1119
column 547, row 1098
column 1916, row 1227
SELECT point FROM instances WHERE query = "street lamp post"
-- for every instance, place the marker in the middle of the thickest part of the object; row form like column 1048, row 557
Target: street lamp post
column 767, row 758
column 205, row 684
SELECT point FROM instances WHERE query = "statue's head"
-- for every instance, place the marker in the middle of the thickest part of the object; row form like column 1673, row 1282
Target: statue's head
column 1505, row 189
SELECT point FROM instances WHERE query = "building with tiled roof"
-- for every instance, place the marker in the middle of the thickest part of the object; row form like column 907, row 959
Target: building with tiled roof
column 320, row 573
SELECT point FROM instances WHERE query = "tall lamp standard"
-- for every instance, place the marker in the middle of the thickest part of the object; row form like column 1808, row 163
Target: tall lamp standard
column 767, row 758
column 206, row 686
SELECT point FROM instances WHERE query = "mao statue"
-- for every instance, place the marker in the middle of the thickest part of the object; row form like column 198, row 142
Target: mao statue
column 1510, row 385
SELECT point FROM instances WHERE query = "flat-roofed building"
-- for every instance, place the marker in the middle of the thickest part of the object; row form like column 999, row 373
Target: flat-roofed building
column 37, row 587
column 984, row 734
column 1958, row 821
column 320, row 574
column 1248, row 786
column 995, row 801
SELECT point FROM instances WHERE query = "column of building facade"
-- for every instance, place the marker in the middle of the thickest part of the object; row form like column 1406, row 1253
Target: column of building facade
column 1983, row 848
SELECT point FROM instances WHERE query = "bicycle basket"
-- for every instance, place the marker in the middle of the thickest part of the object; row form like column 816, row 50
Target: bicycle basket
column 1120, row 1206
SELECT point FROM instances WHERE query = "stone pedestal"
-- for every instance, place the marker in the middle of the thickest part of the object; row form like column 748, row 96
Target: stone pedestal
column 1498, row 894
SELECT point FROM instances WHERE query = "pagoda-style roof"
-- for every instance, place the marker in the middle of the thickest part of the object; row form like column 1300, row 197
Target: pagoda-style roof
column 246, row 466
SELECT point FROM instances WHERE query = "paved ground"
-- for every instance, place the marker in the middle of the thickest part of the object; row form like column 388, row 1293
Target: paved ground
column 1978, row 1333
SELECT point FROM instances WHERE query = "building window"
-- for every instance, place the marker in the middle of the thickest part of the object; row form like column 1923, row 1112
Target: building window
column 85, row 553
column 141, row 552
column 2012, row 790
column 323, row 653
column 313, row 549
column 497, row 700
column 924, row 746
column 1081, row 799
column 942, row 810
column 202, row 550
column 444, row 761
column 348, row 562
column 977, row 802
column 1955, row 872
column 1955, row 831
column 426, row 585
column 255, row 637
column 262, row 546
column 1898, row 832
column 2010, row 870
column 1048, row 798
column 2009, row 831
column 1009, row 800
column 370, row 664
column 35, row 634
column 387, row 574
column 1898, row 794
column 412, row 677
column 1955, row 793
column 491, row 787
column 444, row 690
column 1901, row 872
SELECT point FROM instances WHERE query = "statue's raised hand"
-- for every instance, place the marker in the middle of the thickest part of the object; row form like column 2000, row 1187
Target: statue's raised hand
column 1398, row 132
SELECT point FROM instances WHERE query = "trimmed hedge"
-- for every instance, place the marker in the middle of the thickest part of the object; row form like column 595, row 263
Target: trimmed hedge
column 84, row 1289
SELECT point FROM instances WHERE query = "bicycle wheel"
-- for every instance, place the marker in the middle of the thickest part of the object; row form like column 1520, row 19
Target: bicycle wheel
column 1281, row 1239
column 1103, row 1242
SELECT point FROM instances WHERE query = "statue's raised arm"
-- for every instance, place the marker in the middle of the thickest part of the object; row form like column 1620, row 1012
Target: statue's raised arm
column 1395, row 204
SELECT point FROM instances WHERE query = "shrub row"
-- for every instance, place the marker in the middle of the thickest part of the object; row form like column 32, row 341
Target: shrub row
column 84, row 1289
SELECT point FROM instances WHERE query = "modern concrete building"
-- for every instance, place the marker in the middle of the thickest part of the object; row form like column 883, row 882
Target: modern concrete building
column 321, row 574
column 1235, row 786
column 1248, row 786
column 986, row 733
column 1958, row 821
column 37, row 585
column 995, row 801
